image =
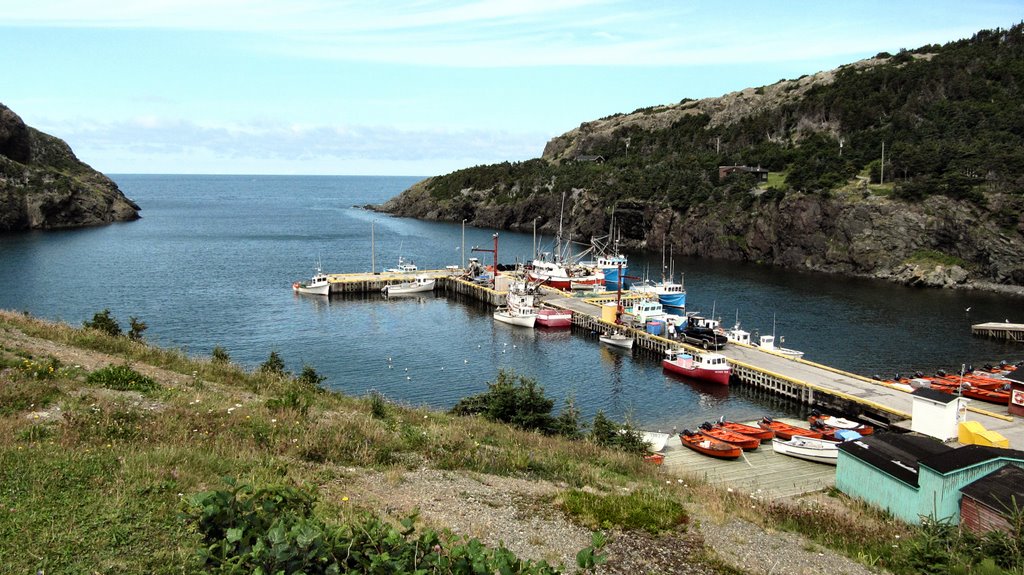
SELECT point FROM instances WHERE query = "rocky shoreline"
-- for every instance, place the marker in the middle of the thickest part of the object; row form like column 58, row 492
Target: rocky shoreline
column 937, row 243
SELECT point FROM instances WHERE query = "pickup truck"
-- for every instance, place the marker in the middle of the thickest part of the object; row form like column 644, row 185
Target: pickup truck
column 704, row 337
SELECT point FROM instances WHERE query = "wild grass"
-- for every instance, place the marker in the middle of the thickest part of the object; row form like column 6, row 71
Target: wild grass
column 93, row 477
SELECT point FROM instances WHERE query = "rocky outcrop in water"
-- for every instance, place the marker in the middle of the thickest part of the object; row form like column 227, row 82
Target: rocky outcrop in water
column 44, row 186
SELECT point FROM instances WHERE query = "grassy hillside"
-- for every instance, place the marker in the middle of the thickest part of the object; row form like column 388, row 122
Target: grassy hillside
column 117, row 457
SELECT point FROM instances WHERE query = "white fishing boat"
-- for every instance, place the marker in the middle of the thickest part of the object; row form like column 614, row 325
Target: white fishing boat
column 403, row 267
column 519, row 307
column 818, row 450
column 318, row 285
column 767, row 343
column 420, row 284
column 617, row 339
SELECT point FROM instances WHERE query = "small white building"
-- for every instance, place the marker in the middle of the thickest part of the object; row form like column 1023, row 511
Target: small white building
column 937, row 414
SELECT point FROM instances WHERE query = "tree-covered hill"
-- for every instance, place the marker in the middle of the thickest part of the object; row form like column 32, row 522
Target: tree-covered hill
column 941, row 126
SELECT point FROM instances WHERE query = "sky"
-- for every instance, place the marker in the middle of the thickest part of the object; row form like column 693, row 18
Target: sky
column 411, row 87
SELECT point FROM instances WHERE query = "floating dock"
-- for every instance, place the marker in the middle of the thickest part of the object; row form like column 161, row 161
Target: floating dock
column 806, row 382
column 1005, row 330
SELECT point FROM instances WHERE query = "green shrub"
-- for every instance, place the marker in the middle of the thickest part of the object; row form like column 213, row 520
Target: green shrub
column 274, row 364
column 121, row 377
column 309, row 376
column 273, row 530
column 220, row 355
column 103, row 322
column 516, row 400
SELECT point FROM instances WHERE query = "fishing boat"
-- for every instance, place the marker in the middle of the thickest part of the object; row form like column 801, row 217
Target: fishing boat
column 563, row 276
column 645, row 310
column 617, row 339
column 550, row 317
column 756, row 432
column 522, row 317
column 420, row 284
column 318, row 285
column 786, row 431
column 767, row 343
column 562, row 270
column 709, row 446
column 808, row 448
column 744, row 442
column 711, row 367
column 518, row 309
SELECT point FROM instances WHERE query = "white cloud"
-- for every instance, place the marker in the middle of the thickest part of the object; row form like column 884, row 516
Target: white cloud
column 500, row 33
column 156, row 145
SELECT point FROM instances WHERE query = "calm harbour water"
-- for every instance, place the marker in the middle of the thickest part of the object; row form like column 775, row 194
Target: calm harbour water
column 212, row 261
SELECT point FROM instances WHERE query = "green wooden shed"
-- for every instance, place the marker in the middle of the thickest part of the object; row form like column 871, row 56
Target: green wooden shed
column 914, row 476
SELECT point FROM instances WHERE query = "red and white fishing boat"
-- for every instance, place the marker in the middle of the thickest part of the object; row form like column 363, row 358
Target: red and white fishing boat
column 711, row 367
column 550, row 317
column 565, row 276
column 318, row 285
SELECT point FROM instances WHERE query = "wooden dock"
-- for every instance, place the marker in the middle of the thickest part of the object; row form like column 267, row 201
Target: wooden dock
column 1005, row 330
column 762, row 472
column 807, row 382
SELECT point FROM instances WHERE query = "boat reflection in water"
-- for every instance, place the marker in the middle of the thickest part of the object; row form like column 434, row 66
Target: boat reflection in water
column 709, row 393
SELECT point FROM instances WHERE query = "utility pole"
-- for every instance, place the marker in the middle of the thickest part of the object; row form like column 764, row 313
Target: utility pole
column 881, row 174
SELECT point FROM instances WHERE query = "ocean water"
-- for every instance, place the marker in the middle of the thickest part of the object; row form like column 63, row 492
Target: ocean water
column 212, row 260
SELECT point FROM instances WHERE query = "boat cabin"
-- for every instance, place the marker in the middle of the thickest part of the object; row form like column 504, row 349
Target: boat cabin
column 647, row 310
column 738, row 335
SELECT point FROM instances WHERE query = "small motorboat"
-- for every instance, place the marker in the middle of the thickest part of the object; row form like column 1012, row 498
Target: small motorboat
column 787, row 431
column 827, row 424
column 761, row 433
column 421, row 284
column 318, row 285
column 709, row 446
column 617, row 339
column 809, row 448
column 744, row 442
column 655, row 440
column 550, row 317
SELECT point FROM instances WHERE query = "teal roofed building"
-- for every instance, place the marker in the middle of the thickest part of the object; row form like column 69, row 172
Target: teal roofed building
column 914, row 476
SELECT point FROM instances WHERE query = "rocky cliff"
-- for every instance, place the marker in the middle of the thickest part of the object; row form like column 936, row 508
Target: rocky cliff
column 939, row 242
column 44, row 186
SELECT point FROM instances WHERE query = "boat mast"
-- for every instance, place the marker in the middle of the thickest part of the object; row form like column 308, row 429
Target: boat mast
column 373, row 252
column 558, row 240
